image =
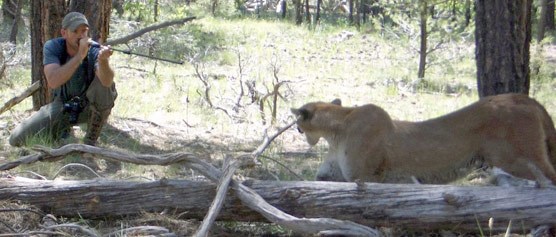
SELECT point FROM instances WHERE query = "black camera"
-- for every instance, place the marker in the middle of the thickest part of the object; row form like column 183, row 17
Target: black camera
column 74, row 107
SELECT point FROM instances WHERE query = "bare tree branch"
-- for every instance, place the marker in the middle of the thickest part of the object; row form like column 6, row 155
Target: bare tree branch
column 267, row 140
column 229, row 168
column 145, row 30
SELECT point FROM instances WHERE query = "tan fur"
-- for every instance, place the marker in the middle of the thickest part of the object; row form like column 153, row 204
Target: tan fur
column 510, row 131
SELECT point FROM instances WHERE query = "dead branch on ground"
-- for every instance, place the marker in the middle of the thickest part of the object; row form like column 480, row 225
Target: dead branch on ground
column 205, row 79
column 15, row 100
column 241, row 68
column 268, row 139
column 275, row 93
column 229, row 168
column 240, row 78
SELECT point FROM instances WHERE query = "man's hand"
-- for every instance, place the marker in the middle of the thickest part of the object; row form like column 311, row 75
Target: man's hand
column 104, row 53
column 104, row 71
column 83, row 47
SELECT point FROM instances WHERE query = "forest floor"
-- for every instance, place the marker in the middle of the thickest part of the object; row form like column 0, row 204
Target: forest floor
column 160, row 110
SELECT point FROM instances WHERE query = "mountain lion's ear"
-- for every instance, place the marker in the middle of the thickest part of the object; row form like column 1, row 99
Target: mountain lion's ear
column 337, row 102
column 301, row 113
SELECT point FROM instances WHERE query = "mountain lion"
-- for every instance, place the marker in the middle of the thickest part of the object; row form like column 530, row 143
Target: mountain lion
column 510, row 131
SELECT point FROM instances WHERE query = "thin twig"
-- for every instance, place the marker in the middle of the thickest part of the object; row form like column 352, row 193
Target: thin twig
column 75, row 165
column 80, row 228
column 33, row 173
column 284, row 166
column 267, row 140
column 139, row 177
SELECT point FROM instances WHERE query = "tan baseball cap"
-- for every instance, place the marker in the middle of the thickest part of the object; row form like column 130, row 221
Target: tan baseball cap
column 73, row 20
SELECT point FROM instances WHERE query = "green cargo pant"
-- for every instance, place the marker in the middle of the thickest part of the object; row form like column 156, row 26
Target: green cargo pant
column 51, row 121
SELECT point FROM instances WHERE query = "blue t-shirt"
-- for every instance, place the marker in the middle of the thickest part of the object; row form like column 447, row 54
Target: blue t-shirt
column 54, row 51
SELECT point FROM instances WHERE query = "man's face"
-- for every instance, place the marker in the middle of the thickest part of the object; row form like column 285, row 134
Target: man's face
column 73, row 37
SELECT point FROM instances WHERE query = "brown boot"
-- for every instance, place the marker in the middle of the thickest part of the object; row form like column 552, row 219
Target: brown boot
column 97, row 120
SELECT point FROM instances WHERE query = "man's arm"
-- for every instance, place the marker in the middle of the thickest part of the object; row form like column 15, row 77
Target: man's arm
column 104, row 72
column 57, row 75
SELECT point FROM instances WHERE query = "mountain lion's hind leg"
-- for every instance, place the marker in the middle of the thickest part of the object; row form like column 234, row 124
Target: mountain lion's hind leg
column 542, row 180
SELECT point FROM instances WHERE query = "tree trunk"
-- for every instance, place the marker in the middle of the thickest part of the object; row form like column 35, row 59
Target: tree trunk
column 502, row 35
column 284, row 7
column 8, row 14
column 298, row 12
column 543, row 4
column 350, row 15
column 358, row 6
column 15, row 24
column 549, row 20
column 307, row 12
column 8, row 9
column 419, row 207
column 317, row 15
column 155, row 11
column 46, row 21
column 424, row 36
column 214, row 5
column 467, row 12
column 98, row 15
column 118, row 5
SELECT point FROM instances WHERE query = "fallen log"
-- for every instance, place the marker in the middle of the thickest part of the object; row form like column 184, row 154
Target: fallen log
column 248, row 197
column 419, row 207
